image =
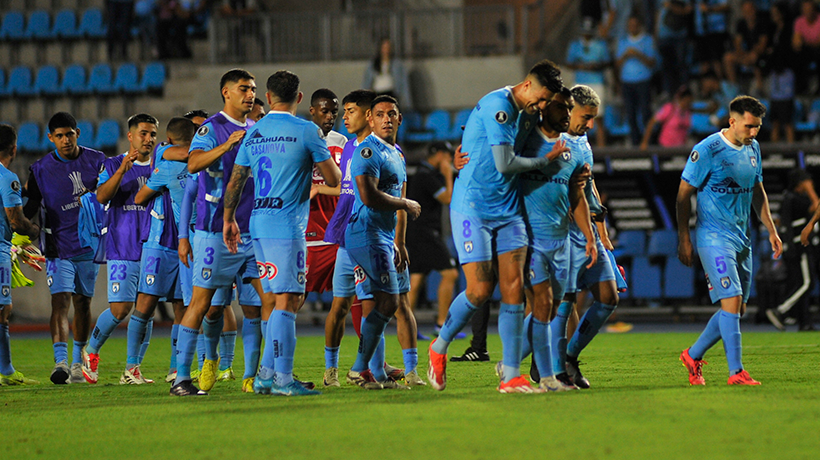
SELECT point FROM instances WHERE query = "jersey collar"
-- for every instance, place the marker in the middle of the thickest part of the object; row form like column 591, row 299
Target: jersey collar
column 512, row 98
column 279, row 111
column 544, row 136
column 392, row 147
column 233, row 120
column 729, row 143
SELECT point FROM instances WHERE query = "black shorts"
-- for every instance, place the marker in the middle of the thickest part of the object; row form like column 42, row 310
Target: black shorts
column 782, row 111
column 710, row 47
column 428, row 252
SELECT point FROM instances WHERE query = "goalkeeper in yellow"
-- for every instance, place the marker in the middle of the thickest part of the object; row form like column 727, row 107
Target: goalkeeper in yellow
column 11, row 221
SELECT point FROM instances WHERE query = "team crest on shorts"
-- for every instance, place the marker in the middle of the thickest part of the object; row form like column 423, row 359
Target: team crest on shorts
column 206, row 273
column 149, row 280
column 300, row 278
column 366, row 153
column 501, row 117
column 531, row 274
column 725, row 282
column 115, row 287
column 261, row 270
column 468, row 246
column 754, row 161
column 202, row 131
column 49, row 281
column 385, row 278
column 358, row 274
column 6, row 291
column 271, row 270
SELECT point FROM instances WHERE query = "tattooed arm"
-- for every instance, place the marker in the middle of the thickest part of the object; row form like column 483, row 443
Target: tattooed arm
column 233, row 191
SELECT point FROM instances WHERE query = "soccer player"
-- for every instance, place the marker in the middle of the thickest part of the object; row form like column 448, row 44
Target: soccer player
column 121, row 177
column 13, row 220
column 487, row 221
column 280, row 151
column 55, row 183
column 380, row 174
column 550, row 195
column 726, row 173
column 212, row 155
column 258, row 110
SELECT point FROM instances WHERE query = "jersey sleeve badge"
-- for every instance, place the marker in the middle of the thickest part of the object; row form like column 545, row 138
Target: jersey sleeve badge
column 15, row 185
column 501, row 117
column 366, row 153
column 695, row 156
column 203, row 130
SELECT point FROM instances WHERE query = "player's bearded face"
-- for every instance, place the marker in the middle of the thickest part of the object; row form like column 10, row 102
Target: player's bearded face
column 557, row 115
column 582, row 119
column 385, row 120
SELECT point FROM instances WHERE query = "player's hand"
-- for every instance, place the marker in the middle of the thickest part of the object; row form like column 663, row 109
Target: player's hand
column 413, row 208
column 127, row 162
column 557, row 149
column 460, row 159
column 234, row 139
column 314, row 190
column 185, row 252
column 592, row 253
column 685, row 252
column 606, row 242
column 805, row 234
column 401, row 259
column 583, row 177
column 231, row 236
column 777, row 245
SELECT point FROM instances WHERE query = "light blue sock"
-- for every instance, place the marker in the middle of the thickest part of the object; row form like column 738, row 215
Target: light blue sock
column 106, row 323
column 411, row 359
column 200, row 350
column 251, row 343
column 211, row 329
column 136, row 334
column 77, row 352
column 376, row 363
column 5, row 351
column 372, row 330
column 227, row 349
column 60, row 352
column 284, row 345
column 264, row 330
column 186, row 347
column 588, row 327
column 267, row 362
column 461, row 312
column 174, row 334
column 511, row 330
column 526, row 344
column 331, row 357
column 730, row 333
column 558, row 338
column 708, row 338
column 146, row 341
column 541, row 347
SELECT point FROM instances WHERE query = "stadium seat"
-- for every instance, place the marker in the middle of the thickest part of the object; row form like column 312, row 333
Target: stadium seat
column 631, row 243
column 646, row 279
column 47, row 81
column 28, row 137
column 153, row 78
column 74, row 80
column 13, row 28
column 663, row 243
column 45, row 142
column 459, row 121
column 65, row 25
column 108, row 134
column 438, row 122
column 20, row 82
column 91, row 24
column 99, row 81
column 127, row 79
column 414, row 126
column 39, row 26
column 678, row 280
column 86, row 131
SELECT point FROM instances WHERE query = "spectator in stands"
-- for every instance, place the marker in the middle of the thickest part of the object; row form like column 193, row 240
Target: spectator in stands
column 387, row 75
column 711, row 34
column 778, row 61
column 718, row 93
column 145, row 17
column 806, row 44
column 172, row 30
column 750, row 42
column 672, row 29
column 589, row 57
column 675, row 119
column 636, row 57
column 120, row 14
column 615, row 26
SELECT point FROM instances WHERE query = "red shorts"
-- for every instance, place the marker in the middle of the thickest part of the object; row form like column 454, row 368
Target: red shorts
column 319, row 269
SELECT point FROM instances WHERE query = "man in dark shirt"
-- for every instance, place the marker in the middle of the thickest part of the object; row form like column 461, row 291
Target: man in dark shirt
column 431, row 187
column 749, row 43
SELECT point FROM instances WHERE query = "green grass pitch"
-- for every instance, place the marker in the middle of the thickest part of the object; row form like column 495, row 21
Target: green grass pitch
column 640, row 407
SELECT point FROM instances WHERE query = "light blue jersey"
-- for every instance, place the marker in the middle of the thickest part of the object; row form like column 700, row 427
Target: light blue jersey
column 11, row 198
column 546, row 191
column 581, row 145
column 480, row 189
column 725, row 176
column 281, row 150
column 376, row 158
column 169, row 175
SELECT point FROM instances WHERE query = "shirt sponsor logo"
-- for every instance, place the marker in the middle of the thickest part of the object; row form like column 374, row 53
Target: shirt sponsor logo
column 260, row 268
column 729, row 186
column 708, row 283
column 271, row 270
column 267, row 203
column 359, row 274
column 254, row 140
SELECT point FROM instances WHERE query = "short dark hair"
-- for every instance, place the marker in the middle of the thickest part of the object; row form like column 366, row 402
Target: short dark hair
column 258, row 101
column 440, row 146
column 548, row 75
column 181, row 129
column 62, row 120
column 196, row 113
column 135, row 120
column 8, row 138
column 322, row 93
column 360, row 97
column 234, row 75
column 284, row 85
column 384, row 98
column 743, row 104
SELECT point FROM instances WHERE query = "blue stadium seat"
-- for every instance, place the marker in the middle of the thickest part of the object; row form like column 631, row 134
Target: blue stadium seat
column 663, row 243
column 13, row 28
column 47, row 81
column 99, row 81
column 86, row 131
column 678, row 280
column 701, row 126
column 108, row 133
column 20, row 82
column 459, row 121
column 153, row 78
column 39, row 26
column 65, row 25
column 438, row 122
column 74, row 80
column 630, row 243
column 127, row 79
column 28, row 137
column 415, row 128
column 91, row 24
column 45, row 142
column 646, row 279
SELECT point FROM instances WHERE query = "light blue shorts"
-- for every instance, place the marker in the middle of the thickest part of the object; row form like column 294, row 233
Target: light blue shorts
column 728, row 272
column 549, row 261
column 374, row 270
column 344, row 274
column 246, row 294
column 281, row 264
column 581, row 277
column 478, row 240
column 5, row 278
column 159, row 273
column 76, row 277
column 123, row 280
column 222, row 296
column 403, row 278
column 215, row 267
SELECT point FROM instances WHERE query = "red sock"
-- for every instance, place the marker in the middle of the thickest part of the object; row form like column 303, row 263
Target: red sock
column 356, row 314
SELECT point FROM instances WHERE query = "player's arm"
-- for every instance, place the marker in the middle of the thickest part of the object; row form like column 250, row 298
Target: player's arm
column 460, row 159
column 35, row 197
column 507, row 162
column 201, row 159
column 684, row 212
column 580, row 213
column 372, row 197
column 402, row 258
column 144, row 195
column 20, row 224
column 600, row 218
column 108, row 189
column 760, row 203
column 331, row 173
column 176, row 153
column 186, row 210
column 233, row 191
column 321, row 189
column 446, row 195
